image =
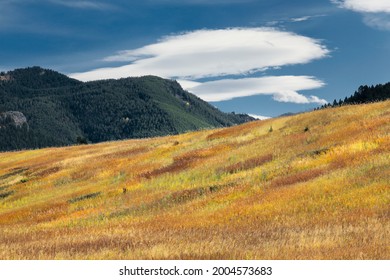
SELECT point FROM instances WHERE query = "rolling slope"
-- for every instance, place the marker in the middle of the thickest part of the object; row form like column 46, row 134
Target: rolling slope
column 310, row 186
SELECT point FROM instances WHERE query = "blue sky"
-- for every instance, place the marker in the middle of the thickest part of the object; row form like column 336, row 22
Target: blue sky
column 252, row 56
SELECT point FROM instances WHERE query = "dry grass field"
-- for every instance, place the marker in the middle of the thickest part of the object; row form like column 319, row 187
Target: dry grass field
column 315, row 186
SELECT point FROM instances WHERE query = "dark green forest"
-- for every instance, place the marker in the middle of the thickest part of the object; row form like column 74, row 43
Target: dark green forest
column 365, row 94
column 62, row 111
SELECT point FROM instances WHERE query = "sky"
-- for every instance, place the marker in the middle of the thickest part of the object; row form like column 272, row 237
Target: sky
column 259, row 57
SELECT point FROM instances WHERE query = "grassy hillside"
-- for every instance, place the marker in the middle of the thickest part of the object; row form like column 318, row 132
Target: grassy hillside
column 310, row 186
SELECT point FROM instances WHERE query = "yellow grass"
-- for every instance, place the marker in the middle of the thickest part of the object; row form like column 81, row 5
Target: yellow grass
column 237, row 193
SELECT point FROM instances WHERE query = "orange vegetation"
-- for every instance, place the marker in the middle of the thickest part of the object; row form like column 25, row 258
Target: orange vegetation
column 316, row 186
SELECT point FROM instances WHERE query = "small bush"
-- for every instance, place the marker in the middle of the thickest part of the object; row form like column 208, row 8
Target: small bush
column 81, row 140
column 318, row 152
column 4, row 188
column 83, row 197
column 7, row 194
column 176, row 143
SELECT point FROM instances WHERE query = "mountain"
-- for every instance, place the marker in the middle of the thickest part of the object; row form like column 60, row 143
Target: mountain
column 63, row 111
column 315, row 187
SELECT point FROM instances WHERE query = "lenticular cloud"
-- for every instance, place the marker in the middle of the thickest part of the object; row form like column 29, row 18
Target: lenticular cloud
column 282, row 88
column 213, row 53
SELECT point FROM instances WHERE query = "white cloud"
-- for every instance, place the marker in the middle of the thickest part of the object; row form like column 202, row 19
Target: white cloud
column 259, row 117
column 213, row 53
column 365, row 6
column 186, row 84
column 238, row 52
column 376, row 13
column 282, row 88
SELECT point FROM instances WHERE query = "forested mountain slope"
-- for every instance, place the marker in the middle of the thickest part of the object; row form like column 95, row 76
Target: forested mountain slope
column 63, row 111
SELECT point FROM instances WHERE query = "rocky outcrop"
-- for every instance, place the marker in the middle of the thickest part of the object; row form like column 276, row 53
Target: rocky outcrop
column 15, row 118
column 5, row 77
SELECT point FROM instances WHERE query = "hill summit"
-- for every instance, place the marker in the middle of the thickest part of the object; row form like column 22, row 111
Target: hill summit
column 61, row 111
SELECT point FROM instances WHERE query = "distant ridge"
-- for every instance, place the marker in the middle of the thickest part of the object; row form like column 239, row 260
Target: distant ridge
column 63, row 111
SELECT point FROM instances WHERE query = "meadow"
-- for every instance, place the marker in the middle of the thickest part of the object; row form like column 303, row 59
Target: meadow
column 310, row 186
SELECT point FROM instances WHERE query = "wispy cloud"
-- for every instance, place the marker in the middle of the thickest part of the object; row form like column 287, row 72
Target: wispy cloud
column 281, row 88
column 200, row 2
column 213, row 53
column 305, row 18
column 7, row 14
column 95, row 5
column 17, row 15
column 378, row 21
column 77, row 4
column 376, row 13
column 299, row 19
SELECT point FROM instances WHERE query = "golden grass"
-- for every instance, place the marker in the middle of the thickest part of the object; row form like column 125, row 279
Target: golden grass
column 316, row 187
